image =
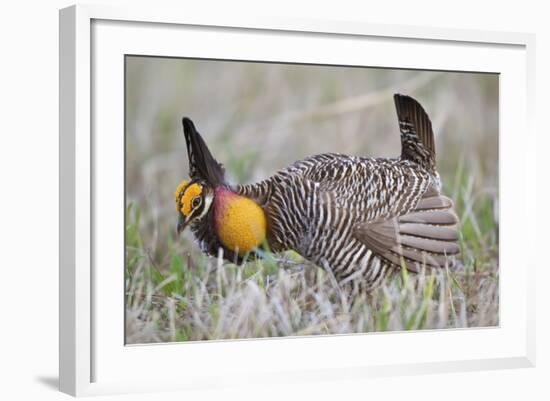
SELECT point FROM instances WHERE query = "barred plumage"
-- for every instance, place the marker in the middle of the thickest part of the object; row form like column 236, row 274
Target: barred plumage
column 357, row 217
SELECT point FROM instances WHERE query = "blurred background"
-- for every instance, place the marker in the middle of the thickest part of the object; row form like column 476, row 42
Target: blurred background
column 257, row 118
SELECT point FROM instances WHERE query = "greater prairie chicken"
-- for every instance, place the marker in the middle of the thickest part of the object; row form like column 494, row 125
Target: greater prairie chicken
column 357, row 217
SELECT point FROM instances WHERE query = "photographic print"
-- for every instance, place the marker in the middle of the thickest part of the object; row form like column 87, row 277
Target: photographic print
column 276, row 199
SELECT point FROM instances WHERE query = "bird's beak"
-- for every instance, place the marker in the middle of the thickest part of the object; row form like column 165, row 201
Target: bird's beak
column 181, row 225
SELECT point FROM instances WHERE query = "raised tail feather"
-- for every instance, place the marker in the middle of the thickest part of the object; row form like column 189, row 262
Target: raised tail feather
column 417, row 138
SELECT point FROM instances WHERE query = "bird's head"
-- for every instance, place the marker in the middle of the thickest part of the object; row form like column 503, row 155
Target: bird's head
column 238, row 222
column 193, row 202
column 194, row 198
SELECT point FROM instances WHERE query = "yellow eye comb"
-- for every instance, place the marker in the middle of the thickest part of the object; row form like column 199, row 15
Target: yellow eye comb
column 183, row 203
column 178, row 192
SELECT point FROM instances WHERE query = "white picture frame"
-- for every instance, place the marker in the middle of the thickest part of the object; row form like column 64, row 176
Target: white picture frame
column 93, row 357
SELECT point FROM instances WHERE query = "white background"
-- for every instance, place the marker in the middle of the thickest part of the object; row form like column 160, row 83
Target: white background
column 140, row 365
column 29, row 199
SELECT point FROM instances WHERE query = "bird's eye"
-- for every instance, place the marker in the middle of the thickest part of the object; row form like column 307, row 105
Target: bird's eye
column 196, row 201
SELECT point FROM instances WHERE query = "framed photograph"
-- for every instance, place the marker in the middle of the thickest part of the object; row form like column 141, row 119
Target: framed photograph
column 255, row 199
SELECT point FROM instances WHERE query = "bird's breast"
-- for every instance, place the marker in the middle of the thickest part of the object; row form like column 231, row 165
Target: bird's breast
column 240, row 223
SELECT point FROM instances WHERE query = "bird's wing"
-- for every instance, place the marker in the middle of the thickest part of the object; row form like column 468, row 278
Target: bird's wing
column 398, row 209
column 424, row 236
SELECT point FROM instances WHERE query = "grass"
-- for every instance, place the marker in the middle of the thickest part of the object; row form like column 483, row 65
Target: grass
column 178, row 294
